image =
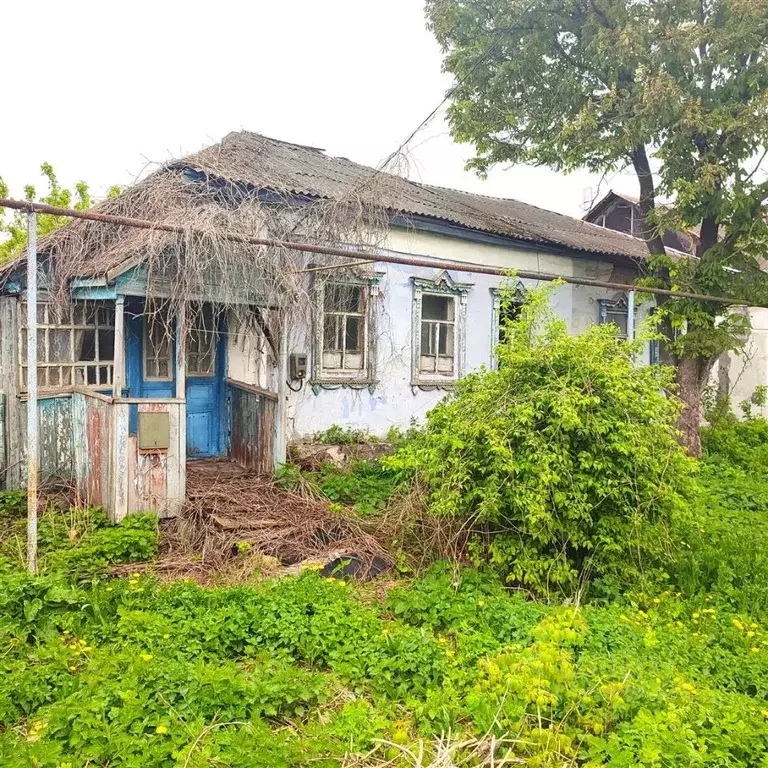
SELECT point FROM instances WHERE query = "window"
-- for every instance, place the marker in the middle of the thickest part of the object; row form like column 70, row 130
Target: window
column 201, row 342
column 615, row 312
column 344, row 327
column 438, row 330
column 438, row 335
column 75, row 346
column 344, row 330
column 158, row 346
column 507, row 303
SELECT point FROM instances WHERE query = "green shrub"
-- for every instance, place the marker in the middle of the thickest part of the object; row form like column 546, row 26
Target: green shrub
column 336, row 435
column 133, row 540
column 364, row 485
column 567, row 454
column 13, row 503
column 724, row 542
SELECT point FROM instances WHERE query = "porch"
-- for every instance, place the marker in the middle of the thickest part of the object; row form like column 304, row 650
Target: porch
column 129, row 393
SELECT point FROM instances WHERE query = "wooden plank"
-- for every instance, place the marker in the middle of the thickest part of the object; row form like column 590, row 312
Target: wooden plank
column 252, row 388
column 9, row 364
column 118, row 374
column 175, row 463
column 121, row 466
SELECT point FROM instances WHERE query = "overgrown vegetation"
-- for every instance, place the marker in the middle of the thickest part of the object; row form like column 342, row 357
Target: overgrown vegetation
column 127, row 672
column 565, row 456
column 663, row 661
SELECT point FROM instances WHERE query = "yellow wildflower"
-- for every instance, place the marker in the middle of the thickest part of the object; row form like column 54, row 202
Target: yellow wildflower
column 146, row 657
column 161, row 729
column 751, row 633
column 481, row 603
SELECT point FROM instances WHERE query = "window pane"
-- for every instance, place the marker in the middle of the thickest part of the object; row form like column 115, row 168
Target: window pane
column 427, row 363
column 331, row 334
column 353, row 361
column 343, row 298
column 619, row 318
column 60, row 345
column 427, row 347
column 352, row 340
column 41, row 352
column 85, row 345
column 106, row 345
column 445, row 365
column 446, row 339
column 437, row 307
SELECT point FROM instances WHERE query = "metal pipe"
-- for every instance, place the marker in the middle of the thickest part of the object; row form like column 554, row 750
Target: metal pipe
column 386, row 258
column 32, row 441
column 281, row 417
column 631, row 315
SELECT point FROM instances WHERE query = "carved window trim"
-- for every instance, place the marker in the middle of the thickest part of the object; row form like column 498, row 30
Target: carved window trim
column 517, row 294
column 365, row 375
column 607, row 309
column 441, row 285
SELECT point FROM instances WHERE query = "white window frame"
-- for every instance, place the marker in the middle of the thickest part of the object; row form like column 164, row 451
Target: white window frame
column 617, row 305
column 366, row 373
column 517, row 294
column 195, row 335
column 101, row 370
column 166, row 326
column 441, row 285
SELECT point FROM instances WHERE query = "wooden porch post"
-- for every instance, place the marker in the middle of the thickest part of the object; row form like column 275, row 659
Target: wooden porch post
column 181, row 394
column 118, row 374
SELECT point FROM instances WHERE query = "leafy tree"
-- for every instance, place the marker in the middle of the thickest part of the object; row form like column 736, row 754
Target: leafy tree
column 566, row 454
column 676, row 90
column 15, row 229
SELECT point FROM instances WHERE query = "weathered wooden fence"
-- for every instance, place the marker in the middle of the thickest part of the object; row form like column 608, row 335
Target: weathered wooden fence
column 251, row 426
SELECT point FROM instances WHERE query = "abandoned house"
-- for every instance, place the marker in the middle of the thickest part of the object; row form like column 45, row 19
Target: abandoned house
column 155, row 348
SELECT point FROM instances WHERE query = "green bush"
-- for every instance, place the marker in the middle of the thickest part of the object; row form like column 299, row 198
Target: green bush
column 365, row 485
column 133, row 540
column 13, row 503
column 724, row 541
column 567, row 454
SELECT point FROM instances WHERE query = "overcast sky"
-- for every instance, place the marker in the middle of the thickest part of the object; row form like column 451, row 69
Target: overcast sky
column 101, row 90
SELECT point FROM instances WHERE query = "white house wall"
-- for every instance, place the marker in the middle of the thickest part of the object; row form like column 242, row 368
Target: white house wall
column 393, row 401
column 739, row 374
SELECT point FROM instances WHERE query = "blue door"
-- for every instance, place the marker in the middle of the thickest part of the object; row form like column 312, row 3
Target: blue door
column 151, row 370
column 205, row 381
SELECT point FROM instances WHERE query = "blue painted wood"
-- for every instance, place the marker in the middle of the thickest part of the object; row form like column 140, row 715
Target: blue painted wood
column 206, row 417
column 206, row 422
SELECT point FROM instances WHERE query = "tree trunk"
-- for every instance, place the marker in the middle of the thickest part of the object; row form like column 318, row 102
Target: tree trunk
column 692, row 376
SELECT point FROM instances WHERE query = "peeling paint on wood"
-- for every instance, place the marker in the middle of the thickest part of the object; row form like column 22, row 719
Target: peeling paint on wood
column 251, row 428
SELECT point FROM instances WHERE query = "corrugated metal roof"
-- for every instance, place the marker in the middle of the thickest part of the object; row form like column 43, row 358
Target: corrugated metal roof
column 295, row 169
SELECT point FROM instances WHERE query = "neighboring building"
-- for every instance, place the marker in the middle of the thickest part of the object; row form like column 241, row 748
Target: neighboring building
column 735, row 375
column 126, row 399
column 621, row 213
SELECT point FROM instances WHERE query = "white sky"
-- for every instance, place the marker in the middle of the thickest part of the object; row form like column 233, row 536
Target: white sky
column 139, row 82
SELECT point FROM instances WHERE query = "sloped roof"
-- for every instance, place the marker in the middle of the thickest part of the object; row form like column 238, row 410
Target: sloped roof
column 296, row 169
column 262, row 163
